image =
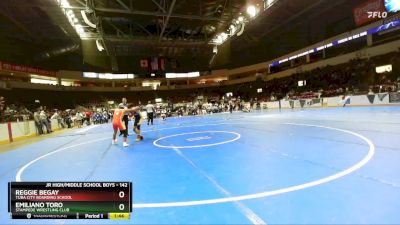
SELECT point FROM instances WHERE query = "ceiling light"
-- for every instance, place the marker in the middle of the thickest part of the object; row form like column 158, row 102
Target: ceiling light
column 392, row 5
column 233, row 29
column 65, row 3
column 251, row 11
column 86, row 20
column 79, row 29
column 99, row 45
column 224, row 35
column 65, row 6
column 215, row 49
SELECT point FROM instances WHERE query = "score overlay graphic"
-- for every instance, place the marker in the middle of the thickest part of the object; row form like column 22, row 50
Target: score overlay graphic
column 70, row 200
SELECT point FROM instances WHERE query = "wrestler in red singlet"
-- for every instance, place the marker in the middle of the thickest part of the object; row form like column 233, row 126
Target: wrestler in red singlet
column 117, row 120
column 118, row 124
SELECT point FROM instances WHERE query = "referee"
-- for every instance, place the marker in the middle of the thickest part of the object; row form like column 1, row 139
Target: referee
column 125, row 118
column 150, row 113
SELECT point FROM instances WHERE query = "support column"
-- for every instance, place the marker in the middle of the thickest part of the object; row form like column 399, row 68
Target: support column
column 10, row 136
column 370, row 41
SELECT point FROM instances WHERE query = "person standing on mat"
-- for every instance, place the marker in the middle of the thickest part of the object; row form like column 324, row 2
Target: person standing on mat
column 150, row 113
column 136, row 126
column 125, row 118
column 118, row 124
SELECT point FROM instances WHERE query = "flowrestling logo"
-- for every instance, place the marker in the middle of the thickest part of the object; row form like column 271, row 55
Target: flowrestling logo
column 391, row 7
column 380, row 15
column 369, row 11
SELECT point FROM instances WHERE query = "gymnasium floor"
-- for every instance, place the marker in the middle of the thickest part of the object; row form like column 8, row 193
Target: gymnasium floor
column 313, row 166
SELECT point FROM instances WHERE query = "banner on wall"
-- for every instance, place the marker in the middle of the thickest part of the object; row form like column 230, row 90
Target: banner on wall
column 25, row 69
column 144, row 63
column 361, row 15
column 394, row 97
column 316, row 101
column 3, row 85
column 291, row 103
column 154, row 64
column 382, row 96
column 371, row 98
column 302, row 103
column 344, row 100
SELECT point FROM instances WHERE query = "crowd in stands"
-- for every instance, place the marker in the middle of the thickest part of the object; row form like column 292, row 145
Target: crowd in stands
column 69, row 118
column 355, row 77
column 42, row 116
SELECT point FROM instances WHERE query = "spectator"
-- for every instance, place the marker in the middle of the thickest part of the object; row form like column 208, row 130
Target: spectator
column 370, row 92
column 67, row 119
column 88, row 115
column 2, row 105
column 79, row 119
column 150, row 113
column 44, row 120
column 398, row 84
column 106, row 116
column 57, row 116
column 38, row 123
